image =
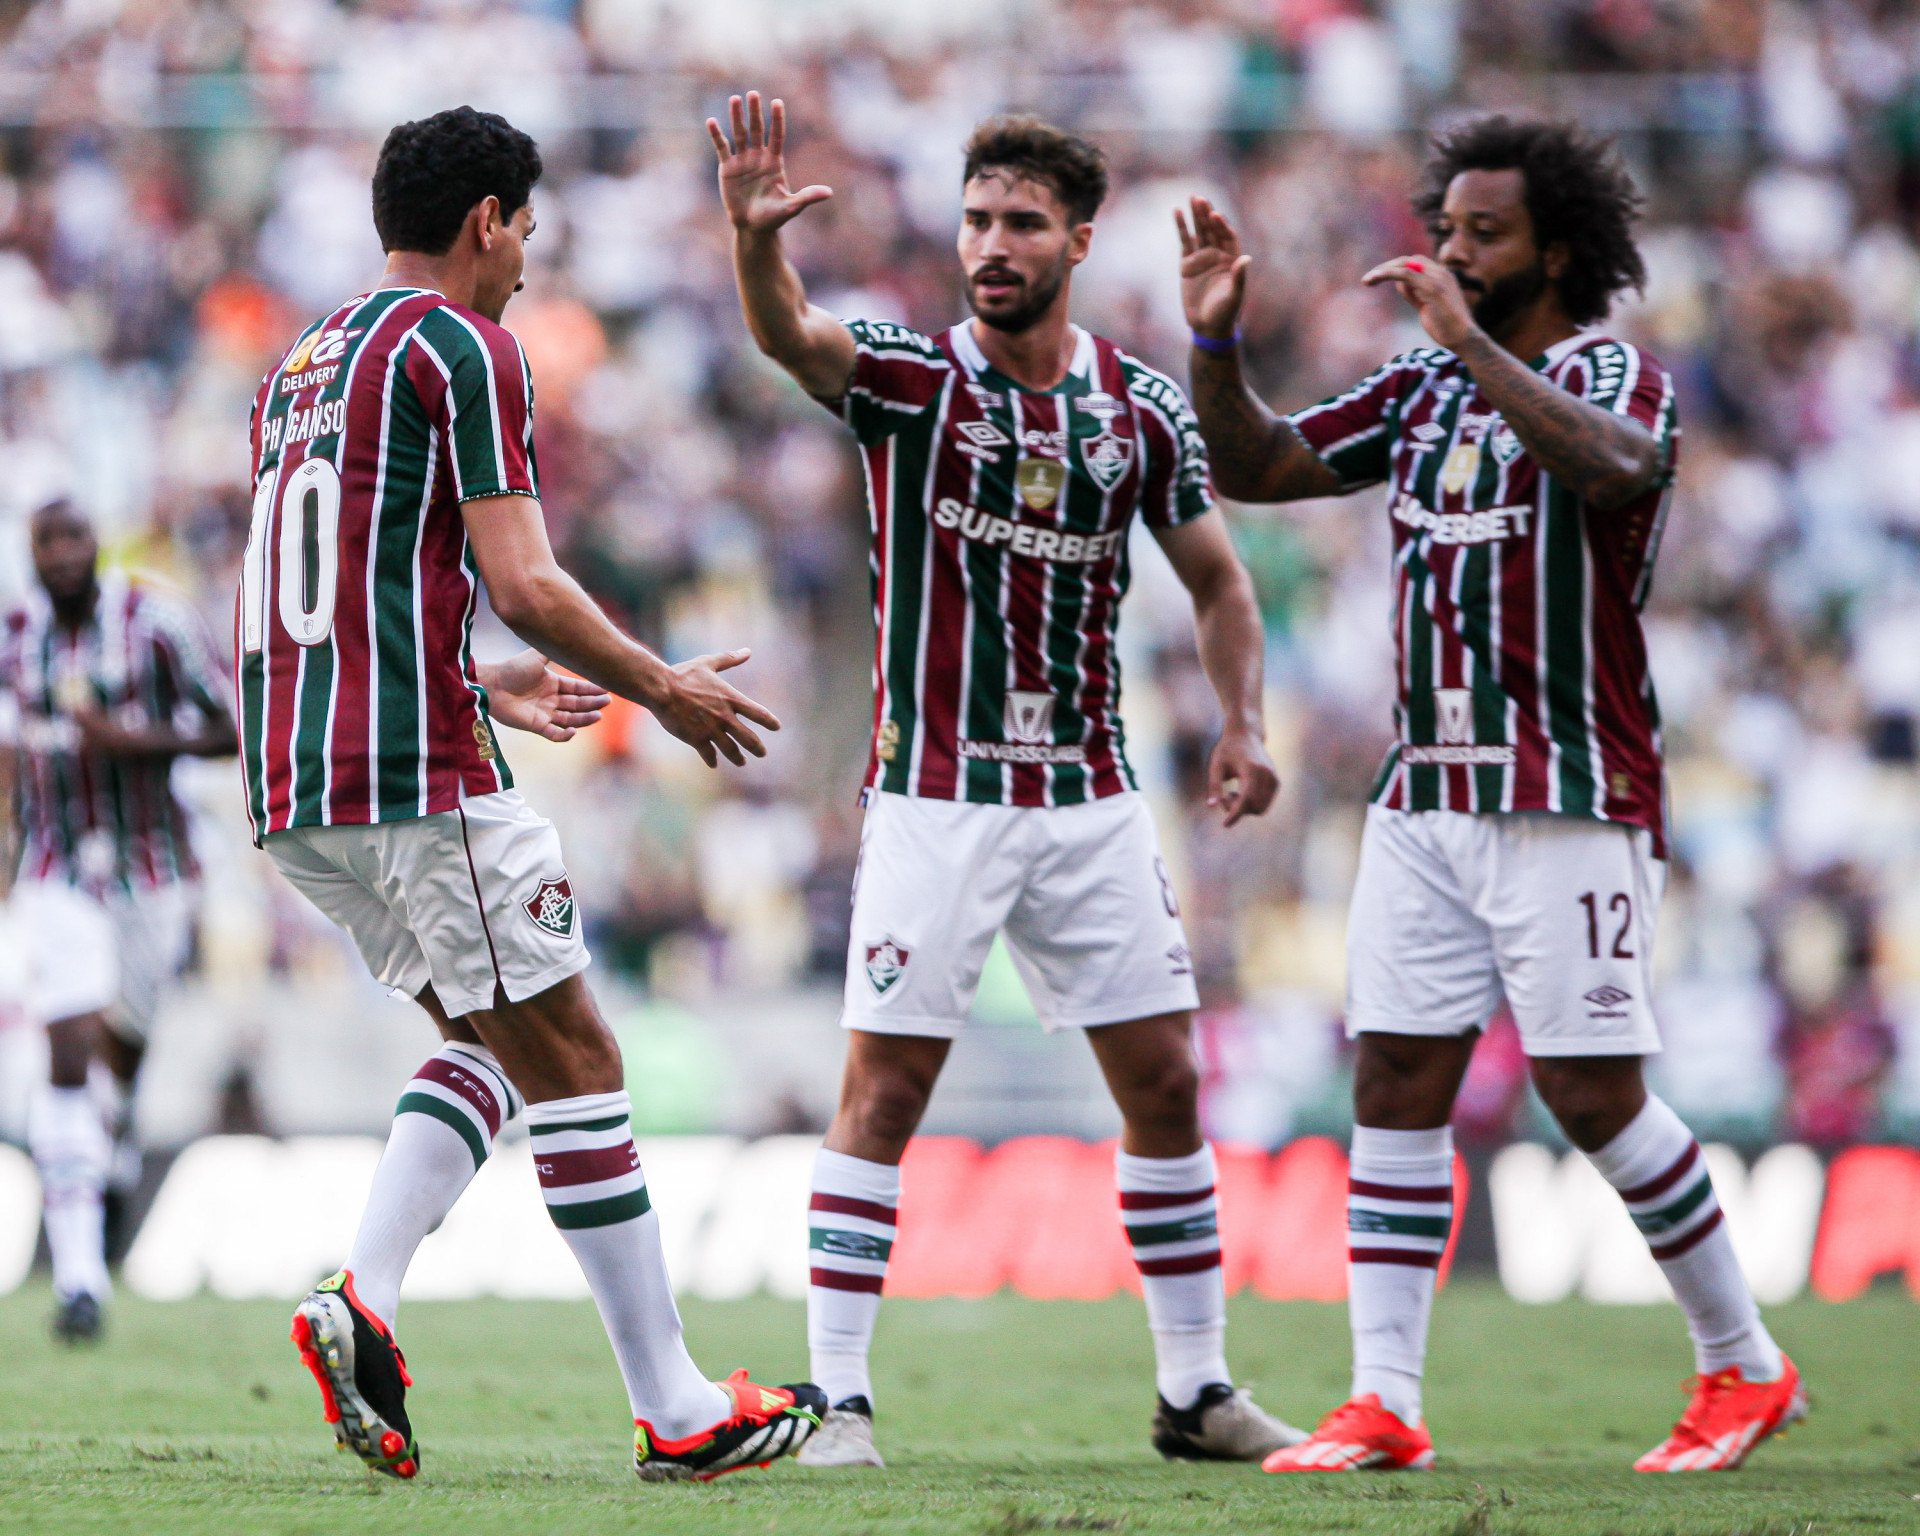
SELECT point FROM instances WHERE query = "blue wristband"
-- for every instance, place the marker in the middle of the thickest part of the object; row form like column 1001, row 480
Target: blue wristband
column 1216, row 343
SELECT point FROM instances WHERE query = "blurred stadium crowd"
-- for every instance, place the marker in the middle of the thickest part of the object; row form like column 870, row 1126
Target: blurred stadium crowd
column 185, row 185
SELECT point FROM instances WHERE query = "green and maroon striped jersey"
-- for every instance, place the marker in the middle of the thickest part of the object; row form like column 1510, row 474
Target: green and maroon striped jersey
column 1523, row 678
column 358, row 701
column 104, row 823
column 1000, row 517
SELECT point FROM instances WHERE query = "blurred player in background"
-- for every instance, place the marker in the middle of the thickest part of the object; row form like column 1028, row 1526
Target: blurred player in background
column 393, row 472
column 1006, row 460
column 104, row 682
column 1516, row 840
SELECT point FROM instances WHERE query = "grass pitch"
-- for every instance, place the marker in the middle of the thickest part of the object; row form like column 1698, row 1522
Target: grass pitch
column 1000, row 1418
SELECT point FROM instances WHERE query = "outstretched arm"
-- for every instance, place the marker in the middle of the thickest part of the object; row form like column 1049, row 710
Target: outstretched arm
column 1256, row 454
column 546, row 607
column 1604, row 457
column 802, row 338
column 1240, row 776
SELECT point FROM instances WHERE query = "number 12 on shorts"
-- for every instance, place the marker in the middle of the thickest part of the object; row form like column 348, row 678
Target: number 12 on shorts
column 309, row 556
column 1619, row 903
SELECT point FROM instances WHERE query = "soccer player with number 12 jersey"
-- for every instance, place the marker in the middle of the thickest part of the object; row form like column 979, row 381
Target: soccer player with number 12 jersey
column 394, row 473
column 1517, row 832
column 1007, row 458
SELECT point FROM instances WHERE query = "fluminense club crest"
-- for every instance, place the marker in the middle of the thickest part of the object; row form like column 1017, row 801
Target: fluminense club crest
column 886, row 964
column 1107, row 457
column 551, row 906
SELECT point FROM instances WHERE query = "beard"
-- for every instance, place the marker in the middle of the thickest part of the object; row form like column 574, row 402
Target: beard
column 1034, row 301
column 1499, row 302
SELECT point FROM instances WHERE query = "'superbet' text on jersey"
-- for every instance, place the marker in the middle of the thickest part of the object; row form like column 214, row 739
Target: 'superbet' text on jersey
column 1000, row 518
column 1523, row 680
column 358, row 701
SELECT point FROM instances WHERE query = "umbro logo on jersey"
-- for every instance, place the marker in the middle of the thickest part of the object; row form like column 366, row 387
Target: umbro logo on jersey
column 1427, row 431
column 551, row 907
column 982, row 434
column 1608, row 997
column 886, row 964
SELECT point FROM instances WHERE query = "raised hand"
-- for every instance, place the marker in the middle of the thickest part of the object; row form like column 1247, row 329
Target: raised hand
column 709, row 714
column 1434, row 293
column 1213, row 271
column 753, row 169
column 526, row 693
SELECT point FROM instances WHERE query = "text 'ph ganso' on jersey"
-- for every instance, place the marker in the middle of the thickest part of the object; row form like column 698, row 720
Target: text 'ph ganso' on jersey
column 1000, row 517
column 358, row 701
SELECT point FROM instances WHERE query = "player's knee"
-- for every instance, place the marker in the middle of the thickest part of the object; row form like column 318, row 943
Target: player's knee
column 1592, row 1099
column 885, row 1107
column 1403, row 1083
column 1165, row 1095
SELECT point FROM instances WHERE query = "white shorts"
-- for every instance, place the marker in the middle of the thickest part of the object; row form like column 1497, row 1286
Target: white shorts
column 1450, row 909
column 114, row 953
column 467, row 900
column 1080, row 890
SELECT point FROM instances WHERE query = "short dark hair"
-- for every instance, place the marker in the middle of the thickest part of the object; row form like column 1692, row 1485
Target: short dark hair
column 433, row 171
column 1577, row 191
column 1034, row 150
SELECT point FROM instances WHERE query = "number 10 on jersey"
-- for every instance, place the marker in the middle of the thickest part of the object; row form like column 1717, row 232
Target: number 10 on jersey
column 309, row 534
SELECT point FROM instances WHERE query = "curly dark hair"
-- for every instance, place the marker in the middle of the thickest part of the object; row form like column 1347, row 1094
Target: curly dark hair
column 1032, row 149
column 433, row 171
column 1578, row 193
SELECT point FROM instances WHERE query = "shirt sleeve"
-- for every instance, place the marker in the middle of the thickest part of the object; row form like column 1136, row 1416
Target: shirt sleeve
column 1178, row 485
column 186, row 669
column 1352, row 433
column 9, row 698
column 1621, row 378
column 897, row 374
column 478, row 392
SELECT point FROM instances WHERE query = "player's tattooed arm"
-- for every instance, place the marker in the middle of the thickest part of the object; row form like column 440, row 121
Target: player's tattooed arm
column 1241, row 779
column 1605, row 458
column 1257, row 455
column 802, row 338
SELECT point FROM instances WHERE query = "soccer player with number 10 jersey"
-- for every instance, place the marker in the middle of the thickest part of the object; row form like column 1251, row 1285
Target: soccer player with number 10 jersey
column 1517, row 833
column 1007, row 458
column 394, row 473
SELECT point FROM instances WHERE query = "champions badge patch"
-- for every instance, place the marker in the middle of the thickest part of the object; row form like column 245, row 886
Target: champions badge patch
column 886, row 964
column 551, row 906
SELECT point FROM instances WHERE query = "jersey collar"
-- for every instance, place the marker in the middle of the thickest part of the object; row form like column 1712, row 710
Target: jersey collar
column 1084, row 366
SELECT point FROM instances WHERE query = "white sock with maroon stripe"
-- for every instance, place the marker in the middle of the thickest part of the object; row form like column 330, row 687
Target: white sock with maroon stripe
column 72, row 1151
column 596, row 1194
column 851, row 1222
column 1399, row 1215
column 1662, row 1175
column 443, row 1130
column 1168, row 1207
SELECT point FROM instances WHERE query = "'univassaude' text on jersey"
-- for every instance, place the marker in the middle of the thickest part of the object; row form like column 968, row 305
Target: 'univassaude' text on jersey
column 1000, row 518
column 1523, row 680
column 105, row 823
column 358, row 701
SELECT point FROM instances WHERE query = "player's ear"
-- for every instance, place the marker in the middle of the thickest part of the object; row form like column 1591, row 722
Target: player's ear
column 1553, row 260
column 1079, row 242
column 488, row 224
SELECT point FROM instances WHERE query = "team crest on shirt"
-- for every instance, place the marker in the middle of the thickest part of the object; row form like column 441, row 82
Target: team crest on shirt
column 1040, row 482
column 551, row 907
column 1505, row 444
column 886, row 964
column 1107, row 457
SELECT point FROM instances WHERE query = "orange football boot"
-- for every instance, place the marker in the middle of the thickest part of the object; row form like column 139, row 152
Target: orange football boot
column 1727, row 1417
column 1356, row 1437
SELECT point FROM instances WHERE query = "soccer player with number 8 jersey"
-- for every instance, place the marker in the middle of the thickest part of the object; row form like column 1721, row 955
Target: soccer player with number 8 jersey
column 1516, row 838
column 1007, row 458
column 394, row 474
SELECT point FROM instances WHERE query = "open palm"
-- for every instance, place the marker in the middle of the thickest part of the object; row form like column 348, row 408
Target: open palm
column 753, row 168
column 1213, row 270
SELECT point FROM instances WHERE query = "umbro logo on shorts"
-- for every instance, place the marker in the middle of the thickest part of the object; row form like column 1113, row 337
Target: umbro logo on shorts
column 1608, row 997
column 551, row 907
